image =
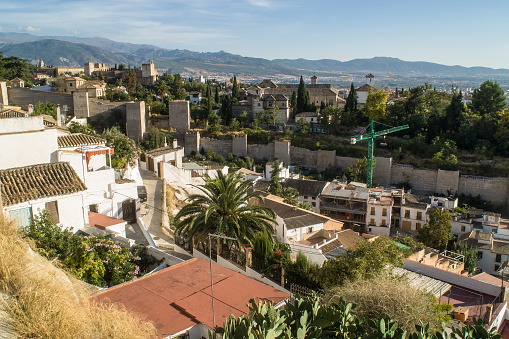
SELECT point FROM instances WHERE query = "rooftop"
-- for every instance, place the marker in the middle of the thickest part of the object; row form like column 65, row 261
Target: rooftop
column 102, row 221
column 307, row 114
column 306, row 187
column 179, row 297
column 79, row 139
column 162, row 150
column 38, row 181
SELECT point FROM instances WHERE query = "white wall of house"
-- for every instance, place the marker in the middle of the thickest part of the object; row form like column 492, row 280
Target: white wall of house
column 361, row 97
column 461, row 226
column 72, row 209
column 199, row 331
column 298, row 234
column 490, row 261
column 312, row 254
column 283, row 174
column 29, row 143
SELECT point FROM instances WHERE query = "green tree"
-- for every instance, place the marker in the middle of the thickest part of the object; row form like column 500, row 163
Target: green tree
column 453, row 113
column 214, row 121
column 351, row 100
column 154, row 138
column 234, row 125
column 235, row 89
column 376, row 104
column 303, row 100
column 488, row 99
column 471, row 259
column 437, row 232
column 222, row 208
column 216, row 96
column 45, row 109
column 367, row 259
column 275, row 186
column 131, row 81
column 357, row 172
column 303, row 126
column 293, row 104
column 126, row 150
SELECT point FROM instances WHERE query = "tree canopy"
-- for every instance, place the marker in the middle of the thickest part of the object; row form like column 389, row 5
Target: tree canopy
column 437, row 232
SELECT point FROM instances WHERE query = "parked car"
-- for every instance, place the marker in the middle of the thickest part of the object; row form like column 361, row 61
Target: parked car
column 142, row 193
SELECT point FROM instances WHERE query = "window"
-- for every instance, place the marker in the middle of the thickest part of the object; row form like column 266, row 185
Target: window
column 372, row 221
column 384, row 212
column 94, row 208
column 498, row 258
column 52, row 208
column 418, row 226
column 372, row 211
column 419, row 215
column 22, row 217
column 310, row 229
column 70, row 84
column 407, row 214
column 305, row 197
column 314, row 204
column 383, row 222
column 462, row 228
column 314, row 198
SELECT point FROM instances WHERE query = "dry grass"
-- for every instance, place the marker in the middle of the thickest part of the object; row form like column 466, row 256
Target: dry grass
column 44, row 302
column 393, row 296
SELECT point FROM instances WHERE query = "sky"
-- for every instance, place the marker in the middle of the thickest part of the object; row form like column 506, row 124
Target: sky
column 450, row 32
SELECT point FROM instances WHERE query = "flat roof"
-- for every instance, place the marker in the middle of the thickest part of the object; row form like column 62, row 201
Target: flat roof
column 102, row 221
column 179, row 297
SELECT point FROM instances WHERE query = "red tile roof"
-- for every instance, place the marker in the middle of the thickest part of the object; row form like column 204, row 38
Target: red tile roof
column 102, row 221
column 179, row 297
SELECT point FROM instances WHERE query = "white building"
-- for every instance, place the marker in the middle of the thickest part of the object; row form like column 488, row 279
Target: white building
column 379, row 212
column 26, row 141
column 26, row 191
column 284, row 172
column 413, row 215
column 89, row 156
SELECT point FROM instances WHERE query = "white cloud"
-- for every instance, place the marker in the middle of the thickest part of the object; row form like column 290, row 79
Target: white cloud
column 28, row 29
column 261, row 3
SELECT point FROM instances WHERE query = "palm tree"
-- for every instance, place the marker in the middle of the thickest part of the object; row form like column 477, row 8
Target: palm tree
column 224, row 208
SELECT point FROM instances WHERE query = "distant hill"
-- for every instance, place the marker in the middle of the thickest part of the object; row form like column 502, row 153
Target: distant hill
column 74, row 51
column 61, row 53
column 389, row 65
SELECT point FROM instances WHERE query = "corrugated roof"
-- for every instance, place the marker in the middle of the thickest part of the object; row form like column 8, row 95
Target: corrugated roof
column 38, row 181
column 79, row 139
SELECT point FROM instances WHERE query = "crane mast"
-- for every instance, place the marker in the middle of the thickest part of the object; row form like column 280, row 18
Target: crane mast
column 370, row 137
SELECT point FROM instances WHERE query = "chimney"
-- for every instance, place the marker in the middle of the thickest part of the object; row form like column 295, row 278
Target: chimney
column 30, row 109
column 175, row 143
column 59, row 117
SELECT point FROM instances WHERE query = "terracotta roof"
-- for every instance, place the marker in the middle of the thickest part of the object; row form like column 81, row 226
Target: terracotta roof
column 162, row 150
column 488, row 278
column 274, row 97
column 38, row 181
column 179, row 297
column 79, row 139
column 102, row 221
column 306, row 187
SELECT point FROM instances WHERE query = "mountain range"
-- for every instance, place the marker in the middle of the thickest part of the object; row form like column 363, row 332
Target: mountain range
column 74, row 51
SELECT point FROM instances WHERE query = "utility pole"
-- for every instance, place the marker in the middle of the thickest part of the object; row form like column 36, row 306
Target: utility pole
column 215, row 235
column 370, row 137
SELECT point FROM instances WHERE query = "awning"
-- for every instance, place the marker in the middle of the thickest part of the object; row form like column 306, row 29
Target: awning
column 89, row 154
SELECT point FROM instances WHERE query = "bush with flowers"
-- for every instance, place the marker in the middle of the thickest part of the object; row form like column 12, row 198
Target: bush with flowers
column 94, row 259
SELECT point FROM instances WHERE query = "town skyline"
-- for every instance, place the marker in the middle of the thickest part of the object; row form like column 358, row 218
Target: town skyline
column 440, row 33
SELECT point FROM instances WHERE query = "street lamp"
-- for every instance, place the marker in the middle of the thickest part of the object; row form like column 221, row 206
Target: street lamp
column 214, row 235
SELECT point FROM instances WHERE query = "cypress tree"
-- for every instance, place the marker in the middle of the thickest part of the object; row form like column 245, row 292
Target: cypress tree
column 351, row 100
column 293, row 104
column 209, row 101
column 235, row 89
column 303, row 102
column 216, row 97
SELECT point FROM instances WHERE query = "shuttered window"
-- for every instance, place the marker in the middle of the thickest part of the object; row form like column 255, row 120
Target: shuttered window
column 22, row 217
column 52, row 208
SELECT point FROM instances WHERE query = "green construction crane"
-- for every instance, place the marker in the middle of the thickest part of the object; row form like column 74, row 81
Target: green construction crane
column 370, row 136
